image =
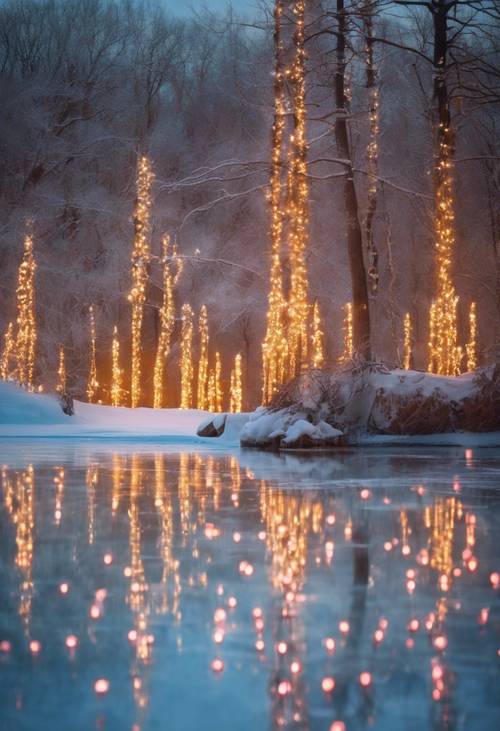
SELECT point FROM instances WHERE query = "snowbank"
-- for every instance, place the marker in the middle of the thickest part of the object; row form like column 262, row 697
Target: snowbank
column 283, row 429
column 367, row 403
column 24, row 414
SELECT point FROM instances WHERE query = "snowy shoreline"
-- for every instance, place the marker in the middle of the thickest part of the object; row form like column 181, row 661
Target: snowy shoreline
column 26, row 415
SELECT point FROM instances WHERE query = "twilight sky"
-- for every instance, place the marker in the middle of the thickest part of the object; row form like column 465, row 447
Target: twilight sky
column 182, row 7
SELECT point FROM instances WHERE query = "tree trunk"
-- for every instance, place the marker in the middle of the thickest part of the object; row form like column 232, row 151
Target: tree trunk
column 361, row 313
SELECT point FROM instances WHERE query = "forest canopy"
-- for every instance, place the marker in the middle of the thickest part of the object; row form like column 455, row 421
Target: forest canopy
column 87, row 86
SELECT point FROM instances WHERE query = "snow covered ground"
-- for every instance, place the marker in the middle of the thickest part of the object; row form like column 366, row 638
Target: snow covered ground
column 30, row 415
column 25, row 414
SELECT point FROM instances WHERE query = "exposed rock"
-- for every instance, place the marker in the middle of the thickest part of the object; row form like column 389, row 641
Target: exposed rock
column 213, row 426
column 332, row 408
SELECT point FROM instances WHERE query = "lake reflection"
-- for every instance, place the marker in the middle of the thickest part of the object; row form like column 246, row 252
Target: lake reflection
column 150, row 589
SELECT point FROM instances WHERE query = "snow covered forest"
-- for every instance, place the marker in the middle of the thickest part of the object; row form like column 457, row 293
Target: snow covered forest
column 88, row 85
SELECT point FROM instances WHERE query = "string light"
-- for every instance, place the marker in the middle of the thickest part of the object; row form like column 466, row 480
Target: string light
column 297, row 204
column 318, row 355
column 236, row 391
column 218, row 382
column 92, row 383
column 444, row 354
column 26, row 326
column 187, row 357
column 471, row 347
column 274, row 347
column 7, row 352
column 167, row 314
column 116, row 371
column 407, row 330
column 211, row 391
column 348, row 351
column 61, row 372
column 140, row 259
column 203, row 374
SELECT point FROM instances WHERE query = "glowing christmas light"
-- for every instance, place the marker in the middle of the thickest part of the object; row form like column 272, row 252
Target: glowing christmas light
column 26, row 325
column 274, row 347
column 444, row 353
column 187, row 357
column 236, row 392
column 167, row 313
column 218, row 382
column 140, row 259
column 348, row 351
column 471, row 347
column 211, row 390
column 7, row 352
column 298, row 204
column 407, row 330
column 116, row 371
column 317, row 355
column 203, row 375
column 92, row 382
column 61, row 372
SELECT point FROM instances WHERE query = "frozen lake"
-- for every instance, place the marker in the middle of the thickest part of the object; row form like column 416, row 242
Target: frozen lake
column 144, row 587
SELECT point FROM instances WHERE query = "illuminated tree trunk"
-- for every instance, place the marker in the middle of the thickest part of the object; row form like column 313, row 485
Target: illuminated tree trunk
column 236, row 389
column 7, row 352
column 407, row 334
column 218, row 382
column 317, row 339
column 347, row 352
column 274, row 347
column 471, row 348
column 202, row 395
column 92, row 382
column 61, row 372
column 26, row 325
column 140, row 260
column 187, row 358
column 166, row 328
column 444, row 354
column 116, row 371
column 298, row 204
column 360, row 308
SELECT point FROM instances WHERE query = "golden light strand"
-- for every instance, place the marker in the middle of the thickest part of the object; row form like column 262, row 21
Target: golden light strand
column 211, row 391
column 26, row 326
column 348, row 351
column 236, row 390
column 140, row 259
column 203, row 374
column 317, row 337
column 187, row 358
column 274, row 347
column 116, row 371
column 297, row 205
column 92, row 383
column 444, row 354
column 218, row 382
column 61, row 372
column 167, row 314
column 407, row 333
column 471, row 347
column 7, row 352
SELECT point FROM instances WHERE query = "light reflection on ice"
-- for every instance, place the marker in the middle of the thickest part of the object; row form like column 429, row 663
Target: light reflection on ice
column 213, row 589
